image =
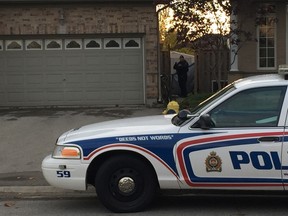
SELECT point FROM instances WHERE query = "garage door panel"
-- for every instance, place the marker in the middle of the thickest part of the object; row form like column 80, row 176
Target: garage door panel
column 33, row 61
column 15, row 79
column 94, row 60
column 35, row 97
column 73, row 60
column 2, row 63
column 95, row 81
column 132, row 77
column 111, row 78
column 15, row 88
column 36, row 79
column 92, row 95
column 34, row 87
column 54, row 61
column 74, row 86
column 2, row 82
column 132, row 60
column 14, row 63
column 112, row 60
column 132, row 95
column 74, row 96
column 54, row 96
column 72, row 77
column 112, row 95
column 54, row 78
column 3, row 98
column 16, row 96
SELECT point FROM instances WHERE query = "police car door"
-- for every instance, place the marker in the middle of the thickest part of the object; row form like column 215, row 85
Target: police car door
column 284, row 164
column 242, row 149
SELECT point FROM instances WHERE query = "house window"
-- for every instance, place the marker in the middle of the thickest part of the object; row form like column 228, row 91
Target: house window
column 53, row 44
column 1, row 45
column 92, row 43
column 266, row 22
column 33, row 44
column 14, row 45
column 72, row 44
column 131, row 43
column 114, row 43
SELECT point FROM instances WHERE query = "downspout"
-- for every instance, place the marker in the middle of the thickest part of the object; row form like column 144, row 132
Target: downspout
column 159, row 59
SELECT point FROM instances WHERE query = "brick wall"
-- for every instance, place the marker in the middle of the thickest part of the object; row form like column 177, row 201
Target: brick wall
column 88, row 19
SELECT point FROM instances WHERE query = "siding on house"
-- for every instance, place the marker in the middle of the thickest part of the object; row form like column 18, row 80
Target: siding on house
column 248, row 50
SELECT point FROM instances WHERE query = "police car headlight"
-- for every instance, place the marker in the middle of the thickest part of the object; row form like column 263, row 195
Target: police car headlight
column 66, row 152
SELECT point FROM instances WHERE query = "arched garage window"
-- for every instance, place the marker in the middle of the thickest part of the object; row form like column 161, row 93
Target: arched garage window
column 1, row 45
column 112, row 43
column 93, row 43
column 14, row 45
column 33, row 44
column 72, row 44
column 131, row 43
column 53, row 44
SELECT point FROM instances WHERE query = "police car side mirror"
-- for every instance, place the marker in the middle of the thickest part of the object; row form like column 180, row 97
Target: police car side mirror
column 184, row 114
column 205, row 122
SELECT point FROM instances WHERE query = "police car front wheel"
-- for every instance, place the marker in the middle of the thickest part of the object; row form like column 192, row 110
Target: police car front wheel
column 125, row 184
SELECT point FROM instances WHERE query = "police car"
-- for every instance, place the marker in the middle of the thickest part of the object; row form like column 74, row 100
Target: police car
column 235, row 140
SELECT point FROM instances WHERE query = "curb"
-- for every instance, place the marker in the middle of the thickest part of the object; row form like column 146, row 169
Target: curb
column 45, row 191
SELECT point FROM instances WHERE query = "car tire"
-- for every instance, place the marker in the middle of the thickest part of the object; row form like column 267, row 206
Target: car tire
column 125, row 184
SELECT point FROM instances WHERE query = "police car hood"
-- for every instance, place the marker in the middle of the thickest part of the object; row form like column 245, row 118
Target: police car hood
column 123, row 127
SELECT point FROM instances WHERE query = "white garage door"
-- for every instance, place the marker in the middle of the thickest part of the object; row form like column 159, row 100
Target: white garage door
column 82, row 71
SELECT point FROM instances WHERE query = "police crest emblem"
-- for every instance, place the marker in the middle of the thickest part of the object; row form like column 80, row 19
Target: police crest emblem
column 213, row 163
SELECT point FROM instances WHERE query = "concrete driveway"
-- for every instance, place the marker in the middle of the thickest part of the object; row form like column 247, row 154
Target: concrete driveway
column 28, row 135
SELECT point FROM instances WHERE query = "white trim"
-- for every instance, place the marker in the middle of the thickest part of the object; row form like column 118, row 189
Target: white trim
column 275, row 48
column 275, row 51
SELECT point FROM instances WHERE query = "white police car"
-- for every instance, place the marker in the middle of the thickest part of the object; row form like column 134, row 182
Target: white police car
column 236, row 140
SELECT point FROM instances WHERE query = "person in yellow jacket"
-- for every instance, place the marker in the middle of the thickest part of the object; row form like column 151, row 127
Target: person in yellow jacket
column 172, row 107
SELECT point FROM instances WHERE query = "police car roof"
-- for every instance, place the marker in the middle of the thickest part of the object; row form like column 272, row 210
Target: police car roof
column 261, row 80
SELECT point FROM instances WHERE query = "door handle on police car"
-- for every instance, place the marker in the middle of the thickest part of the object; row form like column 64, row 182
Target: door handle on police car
column 269, row 139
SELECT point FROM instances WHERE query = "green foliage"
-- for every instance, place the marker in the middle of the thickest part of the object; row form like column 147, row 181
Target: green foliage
column 195, row 18
column 193, row 100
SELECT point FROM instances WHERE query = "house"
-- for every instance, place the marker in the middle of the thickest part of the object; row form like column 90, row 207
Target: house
column 78, row 52
column 265, row 22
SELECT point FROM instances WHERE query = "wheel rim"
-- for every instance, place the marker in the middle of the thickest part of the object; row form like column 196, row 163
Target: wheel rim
column 125, row 184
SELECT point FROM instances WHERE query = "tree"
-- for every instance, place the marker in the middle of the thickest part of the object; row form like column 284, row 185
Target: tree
column 195, row 18
column 204, row 25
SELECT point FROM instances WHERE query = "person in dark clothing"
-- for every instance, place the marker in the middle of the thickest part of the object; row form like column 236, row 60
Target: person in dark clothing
column 181, row 68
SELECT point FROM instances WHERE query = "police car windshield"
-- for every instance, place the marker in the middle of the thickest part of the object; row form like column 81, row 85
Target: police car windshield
column 221, row 93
